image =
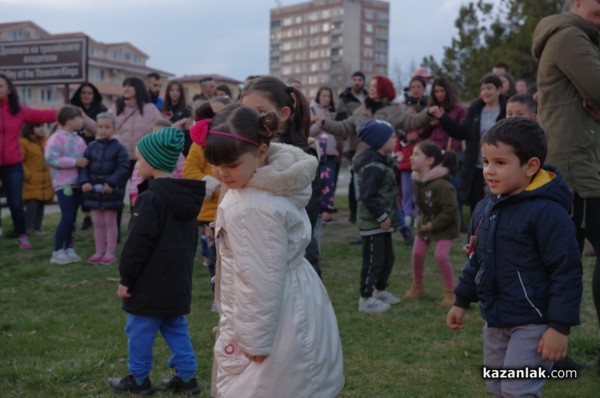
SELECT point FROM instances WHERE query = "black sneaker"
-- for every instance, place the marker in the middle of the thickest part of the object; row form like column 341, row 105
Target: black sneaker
column 407, row 235
column 129, row 384
column 568, row 364
column 86, row 223
column 176, row 384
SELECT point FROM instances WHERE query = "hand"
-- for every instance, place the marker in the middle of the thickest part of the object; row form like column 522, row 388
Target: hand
column 434, row 122
column 82, row 162
column 209, row 232
column 184, row 124
column 553, row 345
column 436, row 111
column 256, row 358
column 426, row 227
column 454, row 319
column 123, row 291
column 210, row 187
column 87, row 187
column 386, row 224
column 107, row 188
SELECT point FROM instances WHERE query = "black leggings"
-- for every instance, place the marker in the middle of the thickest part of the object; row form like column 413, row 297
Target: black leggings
column 586, row 216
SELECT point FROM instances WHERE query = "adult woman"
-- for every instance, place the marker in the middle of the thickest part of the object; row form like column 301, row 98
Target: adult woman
column 176, row 109
column 508, row 85
column 12, row 117
column 89, row 99
column 135, row 116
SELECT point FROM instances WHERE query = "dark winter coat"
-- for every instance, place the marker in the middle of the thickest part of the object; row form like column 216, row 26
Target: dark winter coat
column 377, row 191
column 526, row 266
column 158, row 257
column 470, row 132
column 109, row 164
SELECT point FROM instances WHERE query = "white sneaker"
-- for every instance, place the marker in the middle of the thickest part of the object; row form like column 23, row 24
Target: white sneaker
column 74, row 257
column 60, row 257
column 372, row 305
column 386, row 297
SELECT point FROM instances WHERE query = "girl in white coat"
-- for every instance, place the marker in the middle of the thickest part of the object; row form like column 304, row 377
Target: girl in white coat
column 278, row 335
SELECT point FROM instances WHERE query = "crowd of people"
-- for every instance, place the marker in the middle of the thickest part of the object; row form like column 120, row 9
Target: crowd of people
column 258, row 175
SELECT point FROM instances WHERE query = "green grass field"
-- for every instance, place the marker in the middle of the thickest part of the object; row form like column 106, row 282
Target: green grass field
column 61, row 327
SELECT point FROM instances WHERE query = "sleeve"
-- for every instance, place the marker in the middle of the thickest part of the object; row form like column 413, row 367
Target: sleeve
column 260, row 266
column 25, row 153
column 343, row 128
column 369, row 187
column 38, row 115
column 577, row 57
column 144, row 228
column 342, row 112
column 555, row 236
column 193, row 167
column 466, row 289
column 53, row 154
column 89, row 124
column 446, row 195
column 84, row 172
column 121, row 172
column 457, row 129
column 411, row 121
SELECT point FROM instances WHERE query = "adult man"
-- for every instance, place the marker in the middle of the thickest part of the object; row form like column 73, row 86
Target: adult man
column 208, row 87
column 350, row 99
column 566, row 46
column 153, row 86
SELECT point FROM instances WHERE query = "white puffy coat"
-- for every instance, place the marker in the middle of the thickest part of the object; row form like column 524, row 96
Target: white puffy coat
column 272, row 302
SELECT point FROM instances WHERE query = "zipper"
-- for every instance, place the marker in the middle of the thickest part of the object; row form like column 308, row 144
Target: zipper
column 527, row 297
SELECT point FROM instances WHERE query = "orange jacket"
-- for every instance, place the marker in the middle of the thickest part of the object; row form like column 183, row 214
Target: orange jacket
column 37, row 184
column 195, row 168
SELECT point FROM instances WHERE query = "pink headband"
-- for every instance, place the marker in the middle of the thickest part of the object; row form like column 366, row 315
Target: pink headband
column 200, row 131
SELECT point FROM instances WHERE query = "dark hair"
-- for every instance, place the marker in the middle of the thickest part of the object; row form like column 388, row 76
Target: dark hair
column 450, row 101
column 295, row 131
column 153, row 75
column 512, row 88
column 225, row 89
column 447, row 159
column 168, row 104
column 385, row 88
column 141, row 95
column 490, row 78
column 14, row 106
column 502, row 65
column 419, row 79
column 205, row 110
column 525, row 99
column 239, row 120
column 27, row 130
column 68, row 112
column 525, row 136
column 332, row 104
column 76, row 98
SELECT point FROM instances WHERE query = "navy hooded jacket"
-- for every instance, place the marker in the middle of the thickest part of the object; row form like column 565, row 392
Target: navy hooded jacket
column 526, row 266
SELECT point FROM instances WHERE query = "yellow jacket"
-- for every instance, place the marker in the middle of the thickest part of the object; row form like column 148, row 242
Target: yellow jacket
column 37, row 184
column 195, row 168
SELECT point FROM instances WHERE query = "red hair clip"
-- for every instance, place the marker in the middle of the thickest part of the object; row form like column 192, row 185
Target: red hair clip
column 199, row 131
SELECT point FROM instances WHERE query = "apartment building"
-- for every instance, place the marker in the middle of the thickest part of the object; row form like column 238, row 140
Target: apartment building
column 322, row 42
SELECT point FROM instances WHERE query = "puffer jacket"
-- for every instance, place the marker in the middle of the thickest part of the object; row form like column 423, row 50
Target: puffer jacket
column 197, row 167
column 62, row 151
column 109, row 164
column 272, row 302
column 158, row 257
column 568, row 73
column 37, row 184
column 377, row 192
column 10, row 130
column 526, row 266
column 132, row 125
column 435, row 198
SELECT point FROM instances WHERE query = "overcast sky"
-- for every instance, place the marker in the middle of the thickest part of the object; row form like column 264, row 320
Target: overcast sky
column 228, row 37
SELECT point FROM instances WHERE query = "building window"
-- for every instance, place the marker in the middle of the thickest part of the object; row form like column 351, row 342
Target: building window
column 276, row 23
column 369, row 27
column 380, row 58
column 382, row 45
column 288, row 21
column 368, row 41
column 369, row 14
column 368, row 53
column 368, row 67
column 48, row 95
column 25, row 93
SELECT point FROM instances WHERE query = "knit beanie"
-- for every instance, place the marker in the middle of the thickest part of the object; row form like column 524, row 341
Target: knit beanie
column 161, row 149
column 375, row 133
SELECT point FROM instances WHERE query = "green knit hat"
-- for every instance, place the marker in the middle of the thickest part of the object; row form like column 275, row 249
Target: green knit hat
column 161, row 149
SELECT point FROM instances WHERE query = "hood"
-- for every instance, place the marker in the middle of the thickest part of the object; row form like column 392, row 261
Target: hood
column 547, row 183
column 289, row 172
column 438, row 171
column 184, row 197
column 553, row 24
column 367, row 156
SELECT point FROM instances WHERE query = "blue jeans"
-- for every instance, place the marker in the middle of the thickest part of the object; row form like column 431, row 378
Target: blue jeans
column 63, row 237
column 141, row 332
column 12, row 180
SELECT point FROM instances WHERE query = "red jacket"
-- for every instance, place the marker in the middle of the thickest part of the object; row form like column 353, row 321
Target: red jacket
column 10, row 130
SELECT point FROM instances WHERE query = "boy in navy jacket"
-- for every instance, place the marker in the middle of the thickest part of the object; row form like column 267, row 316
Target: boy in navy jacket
column 524, row 263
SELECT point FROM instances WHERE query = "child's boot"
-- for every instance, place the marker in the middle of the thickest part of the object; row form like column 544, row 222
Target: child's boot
column 448, row 300
column 416, row 291
column 407, row 235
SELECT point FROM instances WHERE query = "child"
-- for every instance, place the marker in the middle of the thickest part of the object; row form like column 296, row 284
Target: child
column 438, row 216
column 278, row 334
column 156, row 266
column 522, row 105
column 64, row 153
column 103, row 184
column 37, row 186
column 376, row 214
column 524, row 263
